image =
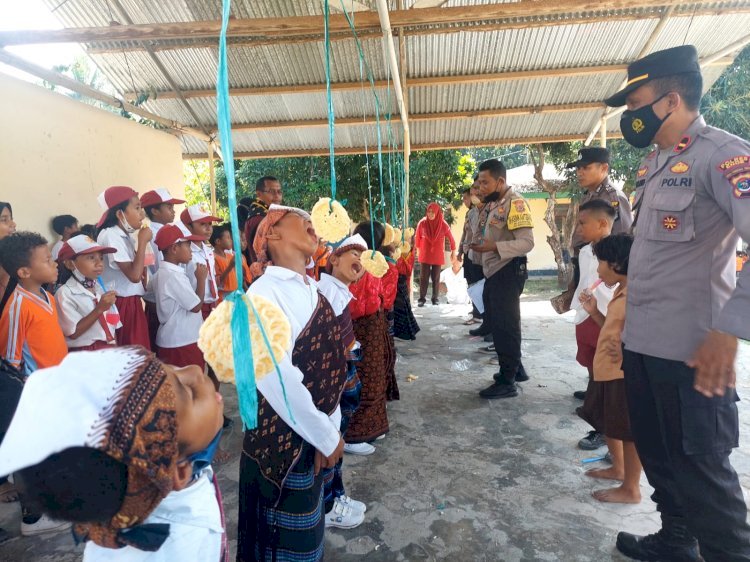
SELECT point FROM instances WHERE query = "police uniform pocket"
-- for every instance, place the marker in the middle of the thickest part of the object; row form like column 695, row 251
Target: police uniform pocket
column 709, row 425
column 672, row 216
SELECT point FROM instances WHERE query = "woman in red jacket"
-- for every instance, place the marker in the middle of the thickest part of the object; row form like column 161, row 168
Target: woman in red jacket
column 429, row 238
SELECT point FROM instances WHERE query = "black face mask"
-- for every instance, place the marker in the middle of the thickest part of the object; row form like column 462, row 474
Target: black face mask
column 639, row 127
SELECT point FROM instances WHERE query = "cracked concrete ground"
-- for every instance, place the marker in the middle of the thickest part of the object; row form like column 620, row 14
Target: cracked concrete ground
column 461, row 478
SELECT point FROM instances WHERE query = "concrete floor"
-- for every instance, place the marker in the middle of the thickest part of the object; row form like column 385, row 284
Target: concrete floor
column 458, row 477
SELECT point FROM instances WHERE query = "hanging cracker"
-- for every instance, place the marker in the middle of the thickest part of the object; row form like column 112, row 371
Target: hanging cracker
column 330, row 219
column 375, row 264
column 215, row 338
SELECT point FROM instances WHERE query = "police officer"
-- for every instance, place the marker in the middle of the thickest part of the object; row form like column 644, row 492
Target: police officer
column 592, row 170
column 684, row 313
column 505, row 227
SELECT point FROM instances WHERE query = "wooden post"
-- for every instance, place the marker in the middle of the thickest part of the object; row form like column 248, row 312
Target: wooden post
column 212, row 177
column 603, row 133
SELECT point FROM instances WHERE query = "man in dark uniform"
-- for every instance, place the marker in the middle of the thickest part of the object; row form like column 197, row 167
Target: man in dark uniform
column 506, row 236
column 684, row 313
column 267, row 192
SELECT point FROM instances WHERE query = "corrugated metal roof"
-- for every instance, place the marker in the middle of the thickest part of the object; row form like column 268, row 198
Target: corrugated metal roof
column 472, row 50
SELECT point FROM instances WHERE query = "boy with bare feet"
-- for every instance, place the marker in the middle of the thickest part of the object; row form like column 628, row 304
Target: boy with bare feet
column 612, row 253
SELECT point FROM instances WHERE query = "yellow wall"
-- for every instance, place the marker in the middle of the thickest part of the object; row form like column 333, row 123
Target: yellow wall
column 58, row 154
column 541, row 257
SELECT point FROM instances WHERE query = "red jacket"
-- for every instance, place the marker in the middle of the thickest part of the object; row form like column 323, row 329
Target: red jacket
column 405, row 265
column 367, row 296
column 390, row 286
column 430, row 236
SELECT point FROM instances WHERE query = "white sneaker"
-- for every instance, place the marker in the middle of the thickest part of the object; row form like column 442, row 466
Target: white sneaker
column 363, row 449
column 343, row 517
column 380, row 437
column 44, row 525
column 354, row 504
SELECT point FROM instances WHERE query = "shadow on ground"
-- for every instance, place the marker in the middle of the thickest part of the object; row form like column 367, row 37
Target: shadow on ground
column 460, row 478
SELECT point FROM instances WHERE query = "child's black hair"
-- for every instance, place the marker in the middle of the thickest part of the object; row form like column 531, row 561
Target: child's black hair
column 150, row 209
column 363, row 229
column 5, row 205
column 111, row 219
column 61, row 222
column 599, row 206
column 78, row 484
column 16, row 249
column 219, row 231
column 89, row 230
column 615, row 250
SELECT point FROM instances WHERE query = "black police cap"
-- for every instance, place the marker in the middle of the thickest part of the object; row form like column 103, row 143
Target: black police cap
column 677, row 60
column 588, row 155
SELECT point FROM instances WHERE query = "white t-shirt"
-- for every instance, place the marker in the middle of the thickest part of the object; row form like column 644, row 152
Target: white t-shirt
column 114, row 278
column 56, row 247
column 298, row 297
column 175, row 299
column 336, row 292
column 456, row 285
column 204, row 254
column 74, row 303
column 588, row 265
column 195, row 529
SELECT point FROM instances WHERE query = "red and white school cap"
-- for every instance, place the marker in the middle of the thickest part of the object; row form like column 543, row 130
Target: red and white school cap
column 113, row 196
column 81, row 245
column 171, row 234
column 158, row 196
column 196, row 213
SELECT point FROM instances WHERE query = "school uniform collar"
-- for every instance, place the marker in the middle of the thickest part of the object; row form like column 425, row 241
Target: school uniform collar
column 172, row 267
column 284, row 274
column 77, row 289
column 339, row 284
column 44, row 300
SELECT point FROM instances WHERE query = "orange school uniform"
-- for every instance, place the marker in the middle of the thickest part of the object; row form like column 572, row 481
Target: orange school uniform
column 30, row 333
column 230, row 282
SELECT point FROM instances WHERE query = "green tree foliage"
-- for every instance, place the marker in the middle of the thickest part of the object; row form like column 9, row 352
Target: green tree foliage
column 435, row 176
column 727, row 104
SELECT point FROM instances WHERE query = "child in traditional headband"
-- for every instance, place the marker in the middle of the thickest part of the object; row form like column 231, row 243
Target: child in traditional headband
column 120, row 444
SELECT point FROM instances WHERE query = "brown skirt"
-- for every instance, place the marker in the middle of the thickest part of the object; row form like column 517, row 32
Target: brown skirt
column 371, row 419
column 607, row 411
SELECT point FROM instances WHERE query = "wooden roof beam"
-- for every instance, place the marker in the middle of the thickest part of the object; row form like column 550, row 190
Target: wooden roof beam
column 456, row 27
column 412, row 82
column 366, row 21
column 416, row 117
column 414, row 147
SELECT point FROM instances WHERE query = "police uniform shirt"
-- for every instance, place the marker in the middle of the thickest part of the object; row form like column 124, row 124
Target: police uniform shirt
column 693, row 202
column 607, row 192
column 508, row 223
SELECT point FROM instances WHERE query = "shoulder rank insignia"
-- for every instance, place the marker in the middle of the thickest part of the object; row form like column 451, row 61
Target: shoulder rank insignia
column 615, row 203
column 651, row 155
column 519, row 215
column 683, row 144
column 680, row 168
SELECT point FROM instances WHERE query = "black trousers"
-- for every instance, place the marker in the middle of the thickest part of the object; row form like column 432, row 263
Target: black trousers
column 473, row 274
column 502, row 313
column 429, row 272
column 684, row 440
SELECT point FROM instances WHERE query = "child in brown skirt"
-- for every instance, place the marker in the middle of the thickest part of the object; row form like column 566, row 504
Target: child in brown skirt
column 612, row 253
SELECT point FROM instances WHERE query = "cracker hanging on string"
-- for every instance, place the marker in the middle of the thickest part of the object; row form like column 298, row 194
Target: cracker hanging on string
column 408, row 233
column 397, row 253
column 390, row 235
column 397, row 236
column 405, row 249
column 215, row 337
column 330, row 220
column 375, row 264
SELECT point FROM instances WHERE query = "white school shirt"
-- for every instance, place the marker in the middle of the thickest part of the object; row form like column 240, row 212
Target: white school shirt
column 336, row 292
column 588, row 264
column 458, row 290
column 75, row 302
column 175, row 299
column 204, row 254
column 57, row 246
column 152, row 269
column 195, row 529
column 113, row 277
column 298, row 300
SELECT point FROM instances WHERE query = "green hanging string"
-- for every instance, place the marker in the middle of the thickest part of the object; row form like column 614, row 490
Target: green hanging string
column 329, row 98
column 242, row 351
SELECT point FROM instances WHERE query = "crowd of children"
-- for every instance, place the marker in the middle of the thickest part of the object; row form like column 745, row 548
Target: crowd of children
column 151, row 423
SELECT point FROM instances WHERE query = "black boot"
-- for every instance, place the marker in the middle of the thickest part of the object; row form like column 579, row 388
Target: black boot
column 521, row 375
column 501, row 388
column 673, row 543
